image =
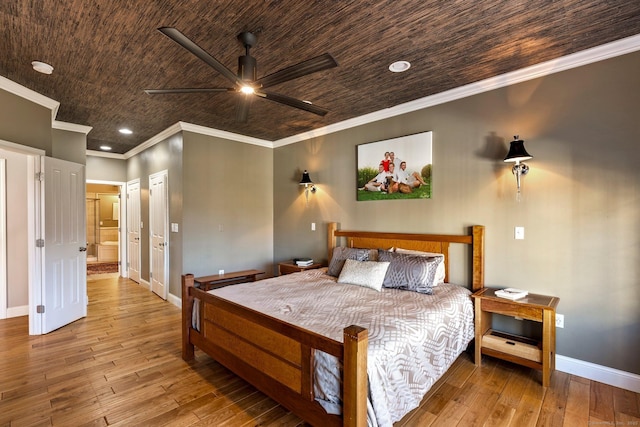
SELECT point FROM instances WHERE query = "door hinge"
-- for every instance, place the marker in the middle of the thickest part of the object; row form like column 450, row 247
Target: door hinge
column 150, row 192
column 39, row 176
column 151, row 275
column 40, row 309
column 39, row 243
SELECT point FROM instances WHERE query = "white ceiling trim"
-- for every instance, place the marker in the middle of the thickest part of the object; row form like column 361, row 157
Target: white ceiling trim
column 106, row 154
column 225, row 135
column 578, row 59
column 72, row 127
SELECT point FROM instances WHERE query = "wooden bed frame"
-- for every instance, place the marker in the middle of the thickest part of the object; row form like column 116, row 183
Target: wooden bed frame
column 277, row 357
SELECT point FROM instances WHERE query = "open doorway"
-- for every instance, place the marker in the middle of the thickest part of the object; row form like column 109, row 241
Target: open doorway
column 103, row 228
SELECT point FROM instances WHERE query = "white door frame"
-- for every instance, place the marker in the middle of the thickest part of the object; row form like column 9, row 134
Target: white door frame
column 33, row 208
column 122, row 224
column 132, row 206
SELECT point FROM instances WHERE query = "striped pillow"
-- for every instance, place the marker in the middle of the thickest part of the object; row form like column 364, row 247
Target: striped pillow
column 410, row 272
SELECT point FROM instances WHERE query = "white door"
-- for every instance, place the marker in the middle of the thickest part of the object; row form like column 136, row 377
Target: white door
column 133, row 229
column 64, row 282
column 158, row 233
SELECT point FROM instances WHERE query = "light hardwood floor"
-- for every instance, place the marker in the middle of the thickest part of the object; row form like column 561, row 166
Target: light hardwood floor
column 121, row 366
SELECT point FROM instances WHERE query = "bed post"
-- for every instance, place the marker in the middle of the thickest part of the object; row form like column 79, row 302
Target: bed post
column 331, row 239
column 354, row 393
column 187, row 309
column 478, row 257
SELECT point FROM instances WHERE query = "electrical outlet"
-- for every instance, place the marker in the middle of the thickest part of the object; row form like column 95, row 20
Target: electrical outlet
column 559, row 320
column 220, row 272
column 313, row 226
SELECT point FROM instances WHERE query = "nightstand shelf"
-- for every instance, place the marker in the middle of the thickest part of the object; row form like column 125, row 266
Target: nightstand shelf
column 537, row 354
column 289, row 267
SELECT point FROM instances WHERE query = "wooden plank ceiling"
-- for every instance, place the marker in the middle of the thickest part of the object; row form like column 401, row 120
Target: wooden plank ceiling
column 106, row 52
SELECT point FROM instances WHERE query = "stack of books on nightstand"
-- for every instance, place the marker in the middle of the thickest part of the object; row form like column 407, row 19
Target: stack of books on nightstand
column 511, row 293
column 303, row 262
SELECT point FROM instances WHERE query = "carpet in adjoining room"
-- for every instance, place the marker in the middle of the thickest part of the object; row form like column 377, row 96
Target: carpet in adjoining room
column 102, row 267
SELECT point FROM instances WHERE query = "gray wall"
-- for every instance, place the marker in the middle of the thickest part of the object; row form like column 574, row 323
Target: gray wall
column 166, row 155
column 68, row 145
column 24, row 122
column 227, row 207
column 580, row 210
column 106, row 169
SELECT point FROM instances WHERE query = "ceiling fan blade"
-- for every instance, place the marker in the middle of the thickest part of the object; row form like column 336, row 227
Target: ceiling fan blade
column 319, row 63
column 296, row 103
column 186, row 43
column 188, row 90
column 242, row 108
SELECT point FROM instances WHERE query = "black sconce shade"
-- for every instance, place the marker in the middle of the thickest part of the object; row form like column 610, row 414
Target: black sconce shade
column 517, row 153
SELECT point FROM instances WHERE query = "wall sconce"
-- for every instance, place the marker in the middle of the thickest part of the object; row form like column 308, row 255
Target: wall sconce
column 308, row 185
column 517, row 154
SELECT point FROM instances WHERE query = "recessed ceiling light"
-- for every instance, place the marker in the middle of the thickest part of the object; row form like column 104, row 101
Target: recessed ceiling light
column 42, row 67
column 399, row 66
column 105, row 148
column 126, row 131
column 307, row 102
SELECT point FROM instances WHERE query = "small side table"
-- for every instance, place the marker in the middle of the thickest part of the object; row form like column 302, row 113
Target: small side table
column 207, row 283
column 289, row 267
column 537, row 354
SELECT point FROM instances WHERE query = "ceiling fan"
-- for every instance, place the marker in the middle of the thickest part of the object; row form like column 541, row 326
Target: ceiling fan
column 245, row 82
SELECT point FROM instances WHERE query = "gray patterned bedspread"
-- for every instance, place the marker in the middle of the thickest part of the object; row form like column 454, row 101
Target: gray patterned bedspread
column 413, row 338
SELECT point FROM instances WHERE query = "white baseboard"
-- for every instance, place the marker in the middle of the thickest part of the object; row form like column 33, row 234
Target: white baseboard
column 17, row 311
column 603, row 374
column 175, row 300
column 145, row 284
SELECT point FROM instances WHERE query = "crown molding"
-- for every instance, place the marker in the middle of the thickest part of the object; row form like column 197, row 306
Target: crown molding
column 574, row 60
column 168, row 132
column 72, row 127
column 225, row 135
column 105, row 154
column 30, row 95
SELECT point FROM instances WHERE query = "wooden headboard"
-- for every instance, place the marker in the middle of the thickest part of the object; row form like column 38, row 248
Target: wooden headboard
column 421, row 242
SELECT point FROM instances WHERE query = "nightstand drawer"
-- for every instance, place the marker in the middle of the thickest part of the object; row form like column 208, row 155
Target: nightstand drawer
column 512, row 308
column 512, row 344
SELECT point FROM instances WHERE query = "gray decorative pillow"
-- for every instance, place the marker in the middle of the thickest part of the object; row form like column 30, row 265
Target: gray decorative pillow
column 340, row 254
column 410, row 272
column 369, row 274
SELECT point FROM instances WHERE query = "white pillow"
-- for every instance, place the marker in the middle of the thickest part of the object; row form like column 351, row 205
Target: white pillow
column 369, row 274
column 440, row 272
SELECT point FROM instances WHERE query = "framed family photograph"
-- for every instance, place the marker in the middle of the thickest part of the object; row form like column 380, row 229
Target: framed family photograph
column 398, row 168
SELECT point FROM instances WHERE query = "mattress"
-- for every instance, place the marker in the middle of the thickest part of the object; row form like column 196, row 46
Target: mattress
column 413, row 338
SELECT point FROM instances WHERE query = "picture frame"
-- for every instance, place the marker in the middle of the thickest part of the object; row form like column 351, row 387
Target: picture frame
column 381, row 174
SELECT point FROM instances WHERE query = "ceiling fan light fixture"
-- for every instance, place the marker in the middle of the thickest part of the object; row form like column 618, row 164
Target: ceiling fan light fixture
column 247, row 90
column 399, row 66
column 42, row 67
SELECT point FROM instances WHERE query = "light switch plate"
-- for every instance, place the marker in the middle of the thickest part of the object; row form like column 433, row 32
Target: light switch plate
column 519, row 233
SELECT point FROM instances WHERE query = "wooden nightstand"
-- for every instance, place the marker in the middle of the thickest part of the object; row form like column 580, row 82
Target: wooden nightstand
column 289, row 267
column 219, row 280
column 524, row 351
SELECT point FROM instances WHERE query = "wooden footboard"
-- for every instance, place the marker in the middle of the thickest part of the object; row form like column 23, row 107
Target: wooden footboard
column 274, row 356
